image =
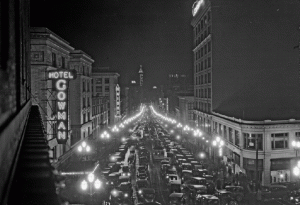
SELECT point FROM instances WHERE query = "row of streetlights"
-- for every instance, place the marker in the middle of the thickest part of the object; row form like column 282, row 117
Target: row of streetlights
column 216, row 142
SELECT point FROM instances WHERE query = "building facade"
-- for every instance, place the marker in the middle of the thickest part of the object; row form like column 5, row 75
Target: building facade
column 99, row 115
column 81, row 96
column 234, row 96
column 48, row 52
column 104, row 84
column 186, row 110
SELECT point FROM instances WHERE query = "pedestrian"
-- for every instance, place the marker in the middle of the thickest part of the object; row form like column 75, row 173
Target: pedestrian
column 258, row 195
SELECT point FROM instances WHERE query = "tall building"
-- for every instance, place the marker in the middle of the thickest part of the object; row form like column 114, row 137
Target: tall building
column 104, row 84
column 81, row 95
column 48, row 52
column 245, row 83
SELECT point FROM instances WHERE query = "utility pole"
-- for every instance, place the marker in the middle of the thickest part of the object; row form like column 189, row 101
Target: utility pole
column 256, row 163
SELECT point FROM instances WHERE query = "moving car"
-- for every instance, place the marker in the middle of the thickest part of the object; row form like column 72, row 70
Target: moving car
column 147, row 195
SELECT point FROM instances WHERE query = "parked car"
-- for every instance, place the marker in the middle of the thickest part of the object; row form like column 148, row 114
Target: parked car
column 238, row 192
column 207, row 200
column 274, row 192
column 147, row 195
column 174, row 186
column 225, row 197
column 186, row 174
column 177, row 199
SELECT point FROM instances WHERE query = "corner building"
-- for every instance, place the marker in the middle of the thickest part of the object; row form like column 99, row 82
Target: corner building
column 246, row 83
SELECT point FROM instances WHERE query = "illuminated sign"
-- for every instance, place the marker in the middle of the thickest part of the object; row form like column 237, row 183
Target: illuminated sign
column 141, row 75
column 60, row 80
column 118, row 102
column 196, row 6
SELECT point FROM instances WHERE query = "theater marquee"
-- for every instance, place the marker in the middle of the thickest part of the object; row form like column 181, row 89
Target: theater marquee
column 60, row 81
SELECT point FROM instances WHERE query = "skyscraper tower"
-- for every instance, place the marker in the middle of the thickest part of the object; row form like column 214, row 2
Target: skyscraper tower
column 141, row 73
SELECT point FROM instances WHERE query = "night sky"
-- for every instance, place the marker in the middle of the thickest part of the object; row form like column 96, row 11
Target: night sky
column 123, row 35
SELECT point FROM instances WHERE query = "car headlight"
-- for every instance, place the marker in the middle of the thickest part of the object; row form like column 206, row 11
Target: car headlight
column 128, row 174
column 167, row 177
column 297, row 200
column 126, row 195
column 106, row 182
column 291, row 198
column 140, row 191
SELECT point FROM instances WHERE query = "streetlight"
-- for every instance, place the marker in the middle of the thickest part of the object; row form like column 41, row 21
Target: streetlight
column 105, row 135
column 91, row 184
column 218, row 143
column 84, row 149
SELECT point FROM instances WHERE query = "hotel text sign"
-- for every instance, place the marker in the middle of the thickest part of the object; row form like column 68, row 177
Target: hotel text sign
column 60, row 81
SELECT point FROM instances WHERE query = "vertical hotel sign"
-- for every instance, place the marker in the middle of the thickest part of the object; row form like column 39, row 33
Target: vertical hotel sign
column 60, row 81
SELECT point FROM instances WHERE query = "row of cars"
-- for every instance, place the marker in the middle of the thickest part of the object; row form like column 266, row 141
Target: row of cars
column 119, row 172
column 186, row 178
column 145, row 192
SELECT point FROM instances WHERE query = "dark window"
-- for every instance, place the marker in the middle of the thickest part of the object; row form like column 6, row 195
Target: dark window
column 237, row 138
column 209, row 77
column 208, row 15
column 209, row 62
column 279, row 140
column 106, row 88
column 297, row 136
column 63, row 62
column 230, row 133
column 209, row 46
column 250, row 141
column 106, row 80
column 208, row 30
column 53, row 59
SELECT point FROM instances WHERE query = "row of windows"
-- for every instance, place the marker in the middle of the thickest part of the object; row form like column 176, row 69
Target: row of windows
column 251, row 140
column 203, row 106
column 203, row 65
column 99, row 89
column 203, row 22
column 203, row 36
column 84, row 100
column 86, row 86
column 203, row 93
column 203, row 79
column 100, row 80
column 86, row 117
column 63, row 61
column 205, row 49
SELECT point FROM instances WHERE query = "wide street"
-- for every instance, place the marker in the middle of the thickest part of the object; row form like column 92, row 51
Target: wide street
column 146, row 152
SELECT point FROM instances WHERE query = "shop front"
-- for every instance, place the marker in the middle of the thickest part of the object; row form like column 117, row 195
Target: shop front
column 232, row 158
column 249, row 166
column 280, row 170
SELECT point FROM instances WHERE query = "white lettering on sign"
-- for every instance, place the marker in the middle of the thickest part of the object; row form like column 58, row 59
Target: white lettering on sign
column 61, row 105
column 61, row 126
column 61, row 135
column 60, row 74
column 61, row 84
column 61, row 116
column 61, row 96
